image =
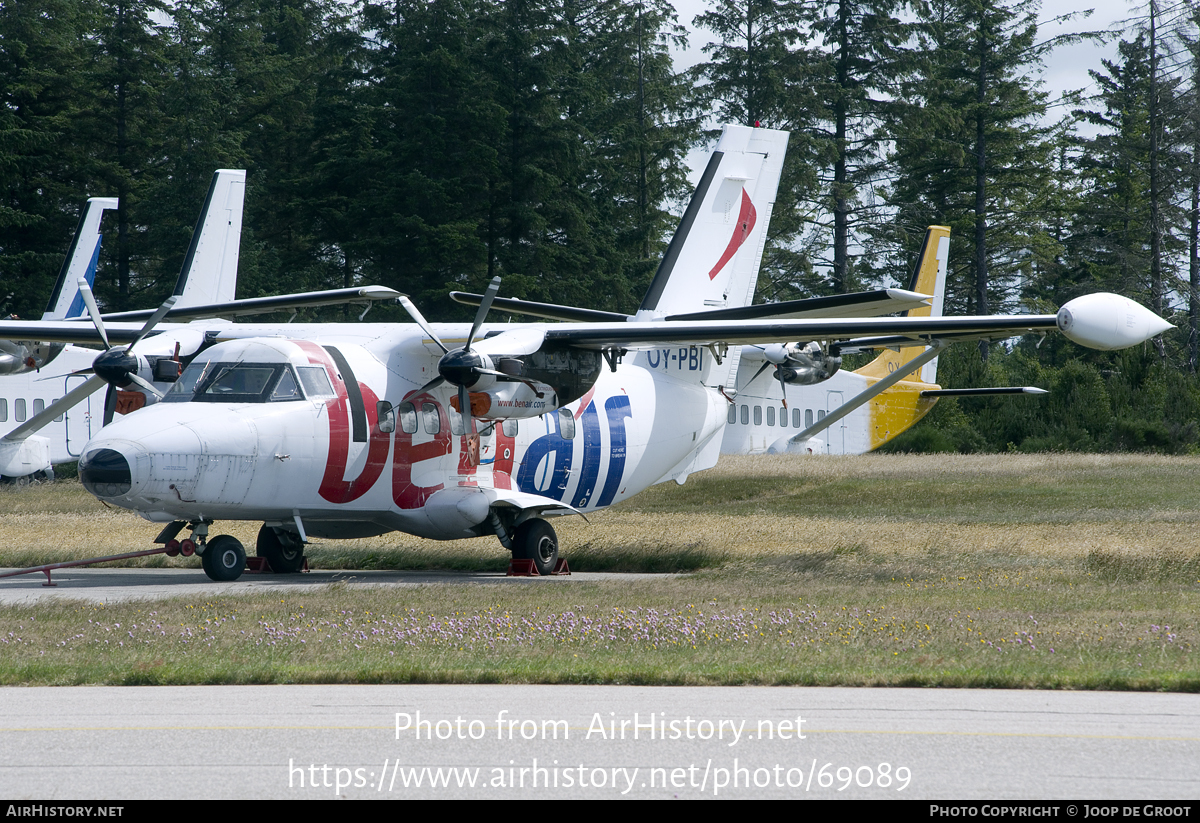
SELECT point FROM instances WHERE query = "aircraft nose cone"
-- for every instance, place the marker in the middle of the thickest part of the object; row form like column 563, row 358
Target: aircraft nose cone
column 105, row 473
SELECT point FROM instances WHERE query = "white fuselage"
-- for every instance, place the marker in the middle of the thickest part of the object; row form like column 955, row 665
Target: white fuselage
column 273, row 461
column 24, row 395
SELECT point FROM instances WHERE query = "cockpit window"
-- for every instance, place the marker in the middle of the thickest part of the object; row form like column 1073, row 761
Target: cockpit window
column 315, row 381
column 235, row 383
column 286, row 389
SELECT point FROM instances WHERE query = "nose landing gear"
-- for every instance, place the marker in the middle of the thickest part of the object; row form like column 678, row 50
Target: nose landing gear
column 224, row 558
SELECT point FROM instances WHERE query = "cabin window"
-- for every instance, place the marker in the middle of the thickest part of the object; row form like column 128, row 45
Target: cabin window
column 386, row 416
column 566, row 424
column 732, row 413
column 808, row 418
column 456, row 422
column 783, row 417
column 820, row 414
column 430, row 419
column 19, row 409
column 758, row 415
column 795, row 418
column 770, row 415
column 3, row 409
column 408, row 418
column 745, row 415
column 39, row 406
column 509, row 427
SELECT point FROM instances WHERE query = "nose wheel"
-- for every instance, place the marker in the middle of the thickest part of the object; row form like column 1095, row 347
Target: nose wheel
column 224, row 559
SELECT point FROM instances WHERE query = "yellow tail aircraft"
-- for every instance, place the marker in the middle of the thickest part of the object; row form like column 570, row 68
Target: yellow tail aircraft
column 828, row 411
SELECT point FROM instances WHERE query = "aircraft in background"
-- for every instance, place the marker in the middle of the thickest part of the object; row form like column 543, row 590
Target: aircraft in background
column 784, row 412
column 447, row 431
column 36, row 374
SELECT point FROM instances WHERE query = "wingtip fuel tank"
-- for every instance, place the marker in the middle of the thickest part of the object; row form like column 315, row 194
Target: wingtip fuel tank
column 1108, row 322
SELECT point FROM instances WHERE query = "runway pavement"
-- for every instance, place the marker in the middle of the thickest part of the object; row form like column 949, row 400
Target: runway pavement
column 492, row 742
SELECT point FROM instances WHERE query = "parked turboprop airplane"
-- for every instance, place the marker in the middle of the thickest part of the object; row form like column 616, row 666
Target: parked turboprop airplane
column 36, row 374
column 816, row 408
column 351, row 430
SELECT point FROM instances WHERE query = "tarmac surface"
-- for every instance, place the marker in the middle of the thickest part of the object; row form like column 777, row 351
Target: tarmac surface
column 495, row 742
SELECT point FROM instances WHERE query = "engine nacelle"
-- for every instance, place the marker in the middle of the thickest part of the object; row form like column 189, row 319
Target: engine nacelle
column 559, row 374
column 18, row 357
column 802, row 365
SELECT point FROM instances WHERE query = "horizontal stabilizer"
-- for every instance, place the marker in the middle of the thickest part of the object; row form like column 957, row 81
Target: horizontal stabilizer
column 983, row 392
column 548, row 311
column 858, row 304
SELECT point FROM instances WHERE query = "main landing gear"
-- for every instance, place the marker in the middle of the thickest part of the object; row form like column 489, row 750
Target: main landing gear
column 283, row 550
column 535, row 540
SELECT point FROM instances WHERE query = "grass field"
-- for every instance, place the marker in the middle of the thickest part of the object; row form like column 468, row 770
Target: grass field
column 1054, row 571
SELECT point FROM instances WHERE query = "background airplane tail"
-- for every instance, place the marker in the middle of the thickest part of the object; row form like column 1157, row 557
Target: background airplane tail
column 209, row 272
column 712, row 261
column 80, row 261
column 929, row 277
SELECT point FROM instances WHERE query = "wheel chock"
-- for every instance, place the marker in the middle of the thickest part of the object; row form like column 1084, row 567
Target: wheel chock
column 561, row 567
column 259, row 565
column 522, row 568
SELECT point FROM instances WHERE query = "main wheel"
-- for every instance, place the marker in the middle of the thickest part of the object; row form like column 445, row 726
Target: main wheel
column 286, row 554
column 224, row 559
column 535, row 540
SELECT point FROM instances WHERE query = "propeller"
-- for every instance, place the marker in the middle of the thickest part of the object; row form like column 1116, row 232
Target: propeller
column 805, row 365
column 116, row 367
column 119, row 367
column 469, row 367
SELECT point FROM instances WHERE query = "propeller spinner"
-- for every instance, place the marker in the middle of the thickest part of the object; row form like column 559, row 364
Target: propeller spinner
column 469, row 368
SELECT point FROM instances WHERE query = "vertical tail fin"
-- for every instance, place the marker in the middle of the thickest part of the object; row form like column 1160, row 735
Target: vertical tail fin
column 928, row 277
column 209, row 272
column 80, row 261
column 714, row 257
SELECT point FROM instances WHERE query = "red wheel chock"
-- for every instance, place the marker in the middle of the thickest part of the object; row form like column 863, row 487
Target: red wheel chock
column 527, row 568
column 259, row 565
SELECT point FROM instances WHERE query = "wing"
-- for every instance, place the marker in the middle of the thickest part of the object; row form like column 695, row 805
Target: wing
column 1098, row 321
column 126, row 326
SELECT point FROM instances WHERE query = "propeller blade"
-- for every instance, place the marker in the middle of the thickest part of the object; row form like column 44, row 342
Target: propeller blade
column 158, row 315
column 59, row 406
column 110, row 403
column 432, row 384
column 147, row 385
column 464, row 408
column 765, row 366
column 419, row 319
column 782, row 385
column 515, row 342
column 484, row 305
column 85, row 291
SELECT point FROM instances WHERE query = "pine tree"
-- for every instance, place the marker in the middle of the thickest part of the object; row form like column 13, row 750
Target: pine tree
column 45, row 166
column 971, row 150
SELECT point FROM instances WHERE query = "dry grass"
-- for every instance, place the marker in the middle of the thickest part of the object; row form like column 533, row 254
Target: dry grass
column 1055, row 571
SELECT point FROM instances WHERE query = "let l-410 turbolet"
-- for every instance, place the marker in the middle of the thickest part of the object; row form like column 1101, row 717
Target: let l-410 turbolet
column 339, row 431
